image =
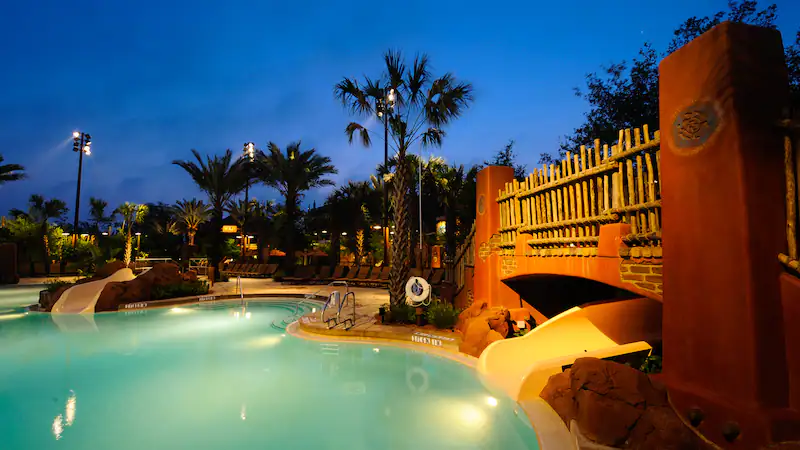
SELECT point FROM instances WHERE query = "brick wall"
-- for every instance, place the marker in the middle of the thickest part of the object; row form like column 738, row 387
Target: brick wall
column 644, row 273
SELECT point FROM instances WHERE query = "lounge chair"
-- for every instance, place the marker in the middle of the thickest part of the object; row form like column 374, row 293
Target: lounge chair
column 302, row 274
column 350, row 272
column 338, row 273
column 324, row 274
column 360, row 276
column 270, row 271
column 383, row 277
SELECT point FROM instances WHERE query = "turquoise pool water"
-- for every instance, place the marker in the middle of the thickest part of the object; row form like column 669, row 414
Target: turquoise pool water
column 222, row 377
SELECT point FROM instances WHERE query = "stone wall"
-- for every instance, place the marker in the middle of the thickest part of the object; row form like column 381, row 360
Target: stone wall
column 644, row 273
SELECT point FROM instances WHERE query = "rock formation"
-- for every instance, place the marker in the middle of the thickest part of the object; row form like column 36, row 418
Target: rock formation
column 618, row 406
column 481, row 325
column 139, row 289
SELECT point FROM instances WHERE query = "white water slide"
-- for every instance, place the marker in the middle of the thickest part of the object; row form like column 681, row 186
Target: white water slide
column 82, row 298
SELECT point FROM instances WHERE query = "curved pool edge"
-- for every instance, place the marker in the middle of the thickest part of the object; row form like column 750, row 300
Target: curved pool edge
column 551, row 434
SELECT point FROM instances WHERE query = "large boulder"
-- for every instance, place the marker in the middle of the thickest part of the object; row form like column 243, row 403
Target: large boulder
column 104, row 271
column 139, row 289
column 476, row 323
column 616, row 405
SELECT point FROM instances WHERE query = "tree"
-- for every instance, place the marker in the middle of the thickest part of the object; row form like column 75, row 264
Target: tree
column 506, row 157
column 97, row 215
column 220, row 177
column 10, row 172
column 262, row 221
column 190, row 214
column 131, row 213
column 625, row 95
column 453, row 185
column 292, row 173
column 354, row 205
column 422, row 106
column 41, row 212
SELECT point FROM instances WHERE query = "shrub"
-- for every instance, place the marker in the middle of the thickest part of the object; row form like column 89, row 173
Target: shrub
column 53, row 285
column 442, row 315
column 184, row 289
column 651, row 364
column 402, row 314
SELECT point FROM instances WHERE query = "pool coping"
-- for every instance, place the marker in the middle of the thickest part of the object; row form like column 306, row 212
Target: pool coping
column 211, row 299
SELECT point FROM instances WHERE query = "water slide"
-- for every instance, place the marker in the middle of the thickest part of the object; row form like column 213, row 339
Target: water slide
column 81, row 298
column 522, row 366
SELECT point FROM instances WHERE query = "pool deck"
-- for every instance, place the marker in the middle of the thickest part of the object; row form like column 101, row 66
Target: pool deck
column 368, row 300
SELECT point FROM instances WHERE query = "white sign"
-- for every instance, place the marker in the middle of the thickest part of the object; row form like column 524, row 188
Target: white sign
column 206, row 298
column 135, row 305
column 426, row 340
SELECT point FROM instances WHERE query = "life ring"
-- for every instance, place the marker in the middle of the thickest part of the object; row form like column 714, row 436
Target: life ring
column 417, row 389
column 417, row 292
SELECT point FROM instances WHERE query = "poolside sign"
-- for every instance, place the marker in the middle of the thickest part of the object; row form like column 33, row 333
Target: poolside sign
column 230, row 229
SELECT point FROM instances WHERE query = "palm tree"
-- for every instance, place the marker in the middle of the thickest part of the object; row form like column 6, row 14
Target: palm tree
column 292, row 173
column 41, row 211
column 238, row 210
column 220, row 177
column 262, row 220
column 190, row 214
column 423, row 106
column 10, row 172
column 131, row 214
column 97, row 214
column 355, row 204
column 452, row 182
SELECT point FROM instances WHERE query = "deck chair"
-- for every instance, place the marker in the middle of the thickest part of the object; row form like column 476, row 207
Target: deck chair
column 324, row 273
column 338, row 272
column 271, row 269
column 301, row 274
column 383, row 277
column 360, row 275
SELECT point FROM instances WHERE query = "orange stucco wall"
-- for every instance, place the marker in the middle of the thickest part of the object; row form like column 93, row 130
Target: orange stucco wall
column 488, row 286
column 723, row 227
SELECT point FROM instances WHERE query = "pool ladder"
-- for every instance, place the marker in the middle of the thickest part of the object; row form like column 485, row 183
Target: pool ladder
column 337, row 319
column 239, row 288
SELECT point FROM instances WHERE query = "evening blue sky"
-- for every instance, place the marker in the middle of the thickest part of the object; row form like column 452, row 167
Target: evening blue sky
column 152, row 80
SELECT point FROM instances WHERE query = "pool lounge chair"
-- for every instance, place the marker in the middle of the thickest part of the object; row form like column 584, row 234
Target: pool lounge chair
column 270, row 270
column 360, row 276
column 338, row 273
column 382, row 279
column 323, row 275
column 350, row 272
column 302, row 274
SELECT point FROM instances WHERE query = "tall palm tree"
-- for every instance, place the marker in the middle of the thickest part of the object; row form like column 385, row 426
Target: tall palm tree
column 238, row 210
column 452, row 182
column 131, row 213
column 41, row 211
column 97, row 214
column 292, row 173
column 220, row 177
column 356, row 203
column 190, row 214
column 423, row 106
column 262, row 220
column 10, row 172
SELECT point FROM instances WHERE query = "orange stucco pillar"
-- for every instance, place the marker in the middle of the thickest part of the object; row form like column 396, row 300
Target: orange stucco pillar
column 723, row 227
column 488, row 286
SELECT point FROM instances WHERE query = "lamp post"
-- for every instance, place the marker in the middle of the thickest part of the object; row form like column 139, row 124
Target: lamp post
column 81, row 143
column 249, row 154
column 384, row 108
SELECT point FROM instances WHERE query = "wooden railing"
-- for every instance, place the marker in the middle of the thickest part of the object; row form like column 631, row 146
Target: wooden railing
column 563, row 205
column 791, row 157
column 465, row 257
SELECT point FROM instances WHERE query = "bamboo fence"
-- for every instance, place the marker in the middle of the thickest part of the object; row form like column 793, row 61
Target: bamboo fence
column 465, row 257
column 563, row 205
column 791, row 158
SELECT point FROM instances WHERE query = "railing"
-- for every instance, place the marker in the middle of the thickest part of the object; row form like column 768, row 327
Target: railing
column 465, row 257
column 351, row 319
column 147, row 263
column 791, row 158
column 563, row 205
column 199, row 265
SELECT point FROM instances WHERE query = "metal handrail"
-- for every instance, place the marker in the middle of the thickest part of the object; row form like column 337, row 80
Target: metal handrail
column 239, row 286
column 341, row 305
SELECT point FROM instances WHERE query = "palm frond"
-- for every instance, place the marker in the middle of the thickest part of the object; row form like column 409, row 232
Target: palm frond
column 353, row 128
column 432, row 137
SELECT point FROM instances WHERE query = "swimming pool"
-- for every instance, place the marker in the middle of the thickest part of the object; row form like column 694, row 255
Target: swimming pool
column 222, row 377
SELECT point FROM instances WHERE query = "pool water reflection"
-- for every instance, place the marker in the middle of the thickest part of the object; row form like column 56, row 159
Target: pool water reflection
column 223, row 378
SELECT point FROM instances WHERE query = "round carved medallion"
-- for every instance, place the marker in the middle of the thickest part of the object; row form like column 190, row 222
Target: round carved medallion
column 694, row 126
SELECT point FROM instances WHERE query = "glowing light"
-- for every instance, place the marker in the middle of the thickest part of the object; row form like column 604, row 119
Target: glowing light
column 58, row 426
column 105, row 233
column 87, row 149
column 313, row 310
column 247, row 315
column 84, row 235
column 11, row 316
column 472, row 416
column 264, row 342
column 376, row 350
column 138, row 233
column 76, row 134
column 376, row 227
column 283, row 335
column 70, row 408
column 491, row 401
column 391, row 232
column 65, row 234
column 344, row 233
column 324, row 231
column 179, row 310
column 243, row 412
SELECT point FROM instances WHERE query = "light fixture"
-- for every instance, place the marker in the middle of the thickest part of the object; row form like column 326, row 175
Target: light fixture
column 391, row 232
column 315, row 233
column 376, row 227
column 76, row 134
column 344, row 233
column 138, row 233
column 491, row 401
column 84, row 235
column 324, row 231
column 65, row 234
column 105, row 233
